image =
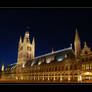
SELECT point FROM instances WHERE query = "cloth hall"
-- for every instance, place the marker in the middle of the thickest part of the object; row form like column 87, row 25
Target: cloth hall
column 62, row 65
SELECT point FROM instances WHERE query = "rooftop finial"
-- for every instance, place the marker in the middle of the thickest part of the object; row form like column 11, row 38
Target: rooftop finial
column 52, row 50
column 77, row 35
column 70, row 44
column 85, row 44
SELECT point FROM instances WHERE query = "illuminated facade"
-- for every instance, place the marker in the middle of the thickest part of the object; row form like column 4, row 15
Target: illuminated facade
column 63, row 65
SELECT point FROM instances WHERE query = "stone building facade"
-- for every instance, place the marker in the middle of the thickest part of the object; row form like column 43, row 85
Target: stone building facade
column 63, row 65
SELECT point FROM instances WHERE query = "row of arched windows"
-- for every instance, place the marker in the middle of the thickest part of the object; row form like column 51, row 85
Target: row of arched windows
column 87, row 66
column 22, row 55
column 53, row 68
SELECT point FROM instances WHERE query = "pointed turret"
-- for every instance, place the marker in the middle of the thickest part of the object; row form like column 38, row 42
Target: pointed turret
column 2, row 67
column 77, row 44
column 52, row 50
column 77, row 36
column 26, row 37
column 85, row 45
column 20, row 41
column 33, row 43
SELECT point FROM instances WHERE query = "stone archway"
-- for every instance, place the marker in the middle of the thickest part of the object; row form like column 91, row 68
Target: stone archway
column 86, row 76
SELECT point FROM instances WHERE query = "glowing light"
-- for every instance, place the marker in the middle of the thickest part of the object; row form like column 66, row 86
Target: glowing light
column 65, row 55
column 87, row 73
column 32, row 63
column 39, row 62
column 80, row 78
column 23, row 65
column 59, row 59
column 69, row 78
column 3, row 67
column 48, row 60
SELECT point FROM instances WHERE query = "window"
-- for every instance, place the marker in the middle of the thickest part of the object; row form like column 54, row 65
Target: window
column 21, row 48
column 60, row 59
column 66, row 67
column 55, row 68
column 27, row 55
column 87, row 66
column 39, row 62
column 32, row 63
column 48, row 60
column 29, row 48
column 65, row 56
column 86, row 52
column 83, row 67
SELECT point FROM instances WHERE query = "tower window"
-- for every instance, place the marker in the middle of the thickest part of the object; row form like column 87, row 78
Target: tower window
column 86, row 52
column 29, row 48
column 21, row 48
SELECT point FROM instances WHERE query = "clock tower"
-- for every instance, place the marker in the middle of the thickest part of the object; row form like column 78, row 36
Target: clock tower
column 26, row 50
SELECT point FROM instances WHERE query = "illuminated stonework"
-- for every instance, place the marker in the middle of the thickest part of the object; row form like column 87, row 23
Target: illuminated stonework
column 65, row 65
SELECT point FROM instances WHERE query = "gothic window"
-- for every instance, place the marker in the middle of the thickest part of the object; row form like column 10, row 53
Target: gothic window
column 86, row 52
column 65, row 56
column 87, row 66
column 62, row 67
column 29, row 48
column 48, row 60
column 66, row 68
column 60, row 59
column 82, row 60
column 70, row 67
column 55, row 68
column 20, row 55
column 39, row 62
column 21, row 48
column 75, row 67
column 27, row 55
column 86, row 59
column 83, row 67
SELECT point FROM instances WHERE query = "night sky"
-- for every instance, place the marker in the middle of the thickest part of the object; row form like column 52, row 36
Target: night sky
column 51, row 27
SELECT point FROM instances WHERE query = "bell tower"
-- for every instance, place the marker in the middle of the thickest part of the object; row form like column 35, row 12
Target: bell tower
column 77, row 44
column 26, row 50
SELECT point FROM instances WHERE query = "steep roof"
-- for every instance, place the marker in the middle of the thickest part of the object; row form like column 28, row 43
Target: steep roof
column 57, row 56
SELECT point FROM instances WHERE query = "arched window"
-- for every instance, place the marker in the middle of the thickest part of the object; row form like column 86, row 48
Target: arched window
column 62, row 67
column 55, row 68
column 27, row 55
column 66, row 67
column 86, row 59
column 70, row 67
column 86, row 52
column 21, row 48
column 28, row 48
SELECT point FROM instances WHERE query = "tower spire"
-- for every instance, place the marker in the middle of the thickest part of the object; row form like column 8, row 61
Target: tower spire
column 33, row 43
column 20, row 41
column 77, row 35
column 77, row 44
column 85, row 44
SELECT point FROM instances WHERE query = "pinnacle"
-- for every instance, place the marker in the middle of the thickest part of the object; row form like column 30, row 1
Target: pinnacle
column 77, row 35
